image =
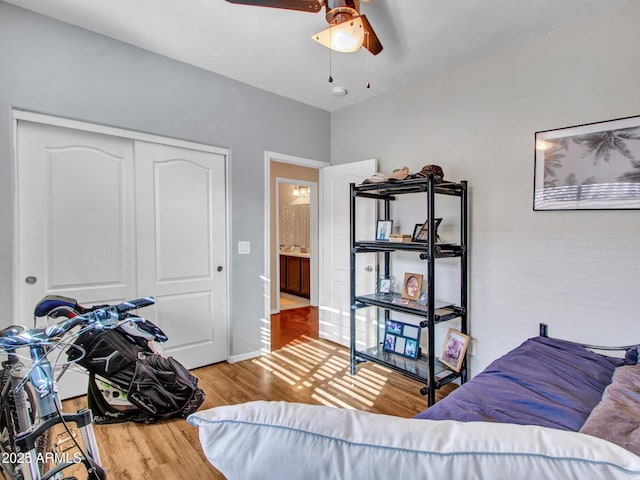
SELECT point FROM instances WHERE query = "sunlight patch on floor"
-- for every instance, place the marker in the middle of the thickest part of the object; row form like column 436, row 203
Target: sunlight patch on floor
column 323, row 368
column 278, row 370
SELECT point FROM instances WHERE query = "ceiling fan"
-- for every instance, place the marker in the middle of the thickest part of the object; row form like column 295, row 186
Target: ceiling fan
column 348, row 30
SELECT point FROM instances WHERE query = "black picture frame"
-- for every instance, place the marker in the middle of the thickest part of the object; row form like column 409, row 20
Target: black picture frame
column 401, row 339
column 383, row 230
column 594, row 166
column 421, row 231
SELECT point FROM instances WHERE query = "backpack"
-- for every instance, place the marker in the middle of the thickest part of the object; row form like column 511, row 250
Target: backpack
column 128, row 381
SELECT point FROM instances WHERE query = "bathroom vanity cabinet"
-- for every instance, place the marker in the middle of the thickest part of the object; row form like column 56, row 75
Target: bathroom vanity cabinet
column 295, row 274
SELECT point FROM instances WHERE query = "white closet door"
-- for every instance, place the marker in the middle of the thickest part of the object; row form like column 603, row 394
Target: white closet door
column 75, row 217
column 181, row 223
column 75, row 224
column 102, row 219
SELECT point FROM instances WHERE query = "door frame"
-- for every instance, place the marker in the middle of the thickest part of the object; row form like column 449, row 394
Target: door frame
column 303, row 162
column 23, row 115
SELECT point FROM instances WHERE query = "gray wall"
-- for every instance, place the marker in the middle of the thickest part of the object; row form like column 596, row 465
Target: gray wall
column 50, row 67
column 576, row 270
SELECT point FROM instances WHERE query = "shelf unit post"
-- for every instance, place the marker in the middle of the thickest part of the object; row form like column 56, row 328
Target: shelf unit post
column 431, row 297
column 352, row 279
column 387, row 264
column 464, row 234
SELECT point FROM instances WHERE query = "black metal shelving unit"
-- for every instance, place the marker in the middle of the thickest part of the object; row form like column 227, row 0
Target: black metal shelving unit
column 426, row 369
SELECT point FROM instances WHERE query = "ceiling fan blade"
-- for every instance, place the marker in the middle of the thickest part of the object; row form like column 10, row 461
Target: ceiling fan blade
column 371, row 41
column 312, row 6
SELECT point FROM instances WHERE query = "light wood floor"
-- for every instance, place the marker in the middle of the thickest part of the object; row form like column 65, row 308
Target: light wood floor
column 306, row 370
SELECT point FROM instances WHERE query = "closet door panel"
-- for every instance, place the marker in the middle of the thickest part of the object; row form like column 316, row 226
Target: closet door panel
column 75, row 222
column 75, row 217
column 181, row 222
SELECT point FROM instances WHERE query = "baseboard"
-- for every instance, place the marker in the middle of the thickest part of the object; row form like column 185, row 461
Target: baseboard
column 244, row 356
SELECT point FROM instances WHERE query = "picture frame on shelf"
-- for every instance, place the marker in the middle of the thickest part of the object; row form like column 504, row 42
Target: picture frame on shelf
column 412, row 286
column 384, row 287
column 421, row 231
column 422, row 299
column 454, row 349
column 402, row 339
column 418, row 234
column 594, row 166
column 383, row 230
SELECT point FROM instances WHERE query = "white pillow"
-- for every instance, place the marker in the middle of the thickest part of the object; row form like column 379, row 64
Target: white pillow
column 280, row 440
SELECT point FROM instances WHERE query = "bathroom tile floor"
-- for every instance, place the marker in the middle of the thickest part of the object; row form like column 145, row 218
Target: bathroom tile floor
column 288, row 301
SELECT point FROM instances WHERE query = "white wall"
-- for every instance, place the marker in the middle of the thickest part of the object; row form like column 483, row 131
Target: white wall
column 578, row 271
column 50, row 67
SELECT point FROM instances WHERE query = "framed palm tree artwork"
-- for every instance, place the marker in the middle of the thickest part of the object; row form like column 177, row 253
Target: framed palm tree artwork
column 595, row 166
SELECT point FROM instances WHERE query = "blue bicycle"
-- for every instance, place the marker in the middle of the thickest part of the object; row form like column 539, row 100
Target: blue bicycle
column 30, row 408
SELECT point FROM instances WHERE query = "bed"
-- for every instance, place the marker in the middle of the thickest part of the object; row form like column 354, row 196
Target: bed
column 547, row 409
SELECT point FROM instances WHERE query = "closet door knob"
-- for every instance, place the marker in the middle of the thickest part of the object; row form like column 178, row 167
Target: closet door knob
column 30, row 280
column 219, row 268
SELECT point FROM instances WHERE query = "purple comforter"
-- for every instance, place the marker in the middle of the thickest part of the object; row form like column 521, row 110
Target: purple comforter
column 544, row 381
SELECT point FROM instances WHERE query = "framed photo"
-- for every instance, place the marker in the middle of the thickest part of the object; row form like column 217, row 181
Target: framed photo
column 588, row 167
column 383, row 229
column 454, row 349
column 421, row 231
column 412, row 286
column 422, row 299
column 385, row 287
column 402, row 339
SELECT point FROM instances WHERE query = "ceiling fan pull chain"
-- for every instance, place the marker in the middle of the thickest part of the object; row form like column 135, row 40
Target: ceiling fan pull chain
column 330, row 73
column 368, row 85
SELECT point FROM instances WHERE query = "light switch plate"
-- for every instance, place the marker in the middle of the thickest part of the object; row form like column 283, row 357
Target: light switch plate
column 244, row 248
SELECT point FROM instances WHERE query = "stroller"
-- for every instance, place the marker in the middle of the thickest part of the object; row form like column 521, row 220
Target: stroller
column 129, row 380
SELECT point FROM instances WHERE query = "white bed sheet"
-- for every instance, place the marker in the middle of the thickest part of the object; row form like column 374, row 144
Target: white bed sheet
column 280, row 440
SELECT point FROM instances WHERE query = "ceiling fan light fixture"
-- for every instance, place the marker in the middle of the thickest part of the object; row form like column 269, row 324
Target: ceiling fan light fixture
column 343, row 37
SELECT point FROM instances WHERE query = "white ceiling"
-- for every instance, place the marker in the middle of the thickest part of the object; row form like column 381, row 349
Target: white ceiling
column 271, row 48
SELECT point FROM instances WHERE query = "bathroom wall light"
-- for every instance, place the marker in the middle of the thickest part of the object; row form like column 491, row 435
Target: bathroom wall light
column 301, row 191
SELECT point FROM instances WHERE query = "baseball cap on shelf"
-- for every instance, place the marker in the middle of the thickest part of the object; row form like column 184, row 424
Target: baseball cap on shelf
column 400, row 173
column 436, row 170
column 377, row 177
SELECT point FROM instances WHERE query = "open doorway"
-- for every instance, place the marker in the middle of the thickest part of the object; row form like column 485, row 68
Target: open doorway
column 293, row 232
column 293, row 268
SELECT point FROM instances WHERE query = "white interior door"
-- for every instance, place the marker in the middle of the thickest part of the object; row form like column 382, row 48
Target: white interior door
column 181, row 218
column 334, row 249
column 75, row 222
column 76, row 227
